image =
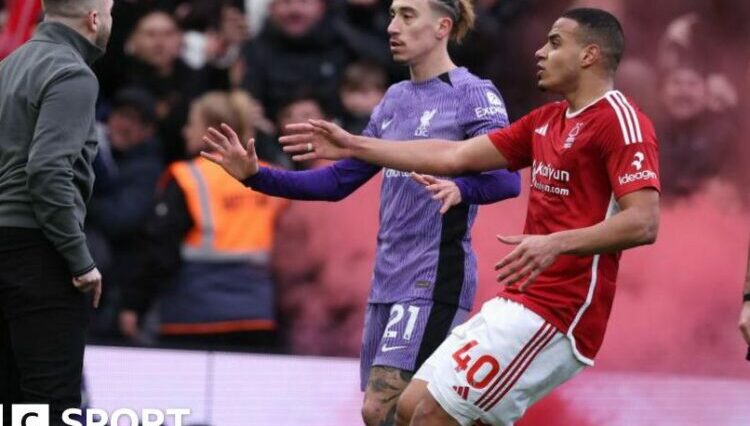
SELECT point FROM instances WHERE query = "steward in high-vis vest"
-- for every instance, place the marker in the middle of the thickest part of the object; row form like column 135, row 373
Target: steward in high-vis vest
column 210, row 258
column 209, row 243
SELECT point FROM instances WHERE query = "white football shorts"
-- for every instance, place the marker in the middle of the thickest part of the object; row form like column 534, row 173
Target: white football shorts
column 493, row 367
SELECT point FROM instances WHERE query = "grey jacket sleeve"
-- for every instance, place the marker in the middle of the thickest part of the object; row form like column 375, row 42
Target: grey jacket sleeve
column 66, row 111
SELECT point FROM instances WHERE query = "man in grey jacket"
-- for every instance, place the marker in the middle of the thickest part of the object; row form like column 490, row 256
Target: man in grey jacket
column 47, row 145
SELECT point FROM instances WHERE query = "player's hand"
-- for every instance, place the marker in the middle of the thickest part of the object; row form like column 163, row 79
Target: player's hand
column 317, row 139
column 532, row 255
column 228, row 152
column 90, row 281
column 745, row 322
column 128, row 322
column 444, row 190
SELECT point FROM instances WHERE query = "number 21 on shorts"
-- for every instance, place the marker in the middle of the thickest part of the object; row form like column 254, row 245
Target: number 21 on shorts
column 397, row 314
column 488, row 365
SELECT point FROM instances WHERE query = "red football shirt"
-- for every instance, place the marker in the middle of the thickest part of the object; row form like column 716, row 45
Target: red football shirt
column 581, row 164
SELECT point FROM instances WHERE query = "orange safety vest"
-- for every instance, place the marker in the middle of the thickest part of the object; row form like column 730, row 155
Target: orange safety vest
column 230, row 221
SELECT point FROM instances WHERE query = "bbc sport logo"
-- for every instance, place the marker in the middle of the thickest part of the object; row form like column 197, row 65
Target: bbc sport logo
column 28, row 415
column 38, row 415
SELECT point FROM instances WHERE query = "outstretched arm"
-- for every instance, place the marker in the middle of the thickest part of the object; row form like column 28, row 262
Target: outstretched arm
column 330, row 183
column 321, row 139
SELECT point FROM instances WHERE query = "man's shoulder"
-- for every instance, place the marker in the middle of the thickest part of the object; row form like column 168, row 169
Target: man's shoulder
column 472, row 86
column 471, row 90
column 47, row 64
column 396, row 89
column 547, row 112
column 619, row 117
column 52, row 57
column 394, row 95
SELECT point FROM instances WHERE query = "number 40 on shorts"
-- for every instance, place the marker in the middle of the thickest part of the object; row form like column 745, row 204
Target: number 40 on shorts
column 465, row 362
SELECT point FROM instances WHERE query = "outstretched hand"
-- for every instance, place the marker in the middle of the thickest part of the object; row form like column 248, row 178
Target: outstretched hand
column 228, row 152
column 532, row 255
column 444, row 190
column 317, row 139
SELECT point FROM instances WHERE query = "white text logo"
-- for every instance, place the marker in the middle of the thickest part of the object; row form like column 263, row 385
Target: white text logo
column 392, row 173
column 548, row 171
column 632, row 177
column 496, row 107
column 551, row 189
column 424, row 123
column 148, row 416
column 38, row 415
column 29, row 415
column 493, row 99
column 541, row 169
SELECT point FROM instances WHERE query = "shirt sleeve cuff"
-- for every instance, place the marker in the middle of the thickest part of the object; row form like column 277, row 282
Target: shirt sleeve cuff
column 463, row 188
column 505, row 151
column 621, row 192
column 256, row 178
column 79, row 259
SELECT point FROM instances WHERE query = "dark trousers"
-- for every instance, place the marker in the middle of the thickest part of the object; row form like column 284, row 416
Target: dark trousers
column 43, row 321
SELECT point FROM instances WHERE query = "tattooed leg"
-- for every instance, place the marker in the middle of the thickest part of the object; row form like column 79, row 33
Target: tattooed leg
column 383, row 389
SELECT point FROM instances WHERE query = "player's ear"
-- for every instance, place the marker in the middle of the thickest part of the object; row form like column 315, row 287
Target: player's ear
column 444, row 27
column 590, row 55
column 92, row 20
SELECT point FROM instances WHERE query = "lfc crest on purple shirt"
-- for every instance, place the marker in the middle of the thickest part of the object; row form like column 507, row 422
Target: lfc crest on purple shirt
column 424, row 123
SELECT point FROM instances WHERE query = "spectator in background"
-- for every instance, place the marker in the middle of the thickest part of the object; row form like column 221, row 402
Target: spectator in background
column 301, row 47
column 370, row 16
column 214, row 34
column 695, row 141
column 639, row 79
column 713, row 23
column 298, row 109
column 365, row 21
column 127, row 167
column 362, row 88
column 210, row 243
column 485, row 50
column 153, row 61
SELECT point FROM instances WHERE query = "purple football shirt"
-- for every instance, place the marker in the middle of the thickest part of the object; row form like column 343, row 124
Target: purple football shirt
column 421, row 253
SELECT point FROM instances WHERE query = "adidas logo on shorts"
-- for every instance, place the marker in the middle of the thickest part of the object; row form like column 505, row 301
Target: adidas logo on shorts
column 462, row 391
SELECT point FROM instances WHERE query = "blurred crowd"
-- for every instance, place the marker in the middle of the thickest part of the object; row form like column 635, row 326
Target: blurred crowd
column 190, row 257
